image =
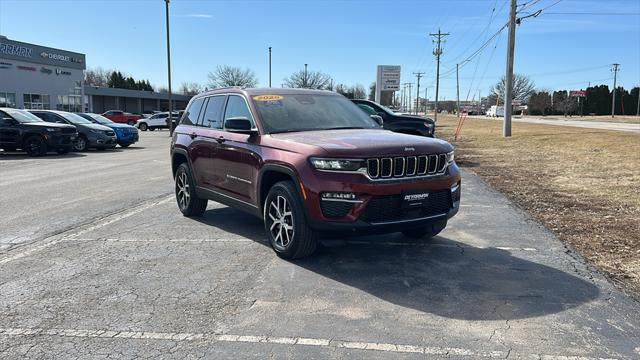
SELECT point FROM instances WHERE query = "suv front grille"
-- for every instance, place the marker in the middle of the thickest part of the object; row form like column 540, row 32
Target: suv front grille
column 400, row 167
column 389, row 208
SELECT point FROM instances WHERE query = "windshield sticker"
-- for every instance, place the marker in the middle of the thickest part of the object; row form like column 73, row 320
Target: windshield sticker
column 273, row 103
column 268, row 97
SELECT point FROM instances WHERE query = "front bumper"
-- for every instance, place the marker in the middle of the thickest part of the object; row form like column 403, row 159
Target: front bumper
column 61, row 141
column 379, row 207
column 102, row 141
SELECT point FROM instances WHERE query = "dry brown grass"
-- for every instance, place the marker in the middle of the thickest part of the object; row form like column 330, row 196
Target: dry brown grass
column 618, row 119
column 583, row 184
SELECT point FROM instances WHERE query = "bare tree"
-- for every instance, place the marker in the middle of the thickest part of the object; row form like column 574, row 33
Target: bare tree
column 97, row 77
column 226, row 76
column 190, row 88
column 523, row 87
column 308, row 80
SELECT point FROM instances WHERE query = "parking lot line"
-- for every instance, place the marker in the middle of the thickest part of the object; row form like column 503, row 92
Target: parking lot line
column 292, row 341
column 83, row 230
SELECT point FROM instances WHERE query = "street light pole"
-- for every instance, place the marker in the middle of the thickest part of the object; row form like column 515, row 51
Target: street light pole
column 269, row 66
column 305, row 76
column 166, row 3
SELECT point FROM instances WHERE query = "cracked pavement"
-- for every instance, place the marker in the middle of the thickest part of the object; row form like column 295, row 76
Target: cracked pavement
column 97, row 262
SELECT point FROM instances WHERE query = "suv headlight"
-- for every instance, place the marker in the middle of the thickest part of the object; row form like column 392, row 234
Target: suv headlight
column 337, row 164
column 450, row 157
column 53, row 130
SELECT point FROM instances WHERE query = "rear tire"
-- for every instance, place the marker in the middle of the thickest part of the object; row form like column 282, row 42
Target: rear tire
column 143, row 127
column 188, row 201
column 151, row 128
column 425, row 232
column 124, row 145
column 35, row 146
column 285, row 223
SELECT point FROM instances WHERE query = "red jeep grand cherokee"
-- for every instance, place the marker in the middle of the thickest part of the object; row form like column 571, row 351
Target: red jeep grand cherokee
column 308, row 163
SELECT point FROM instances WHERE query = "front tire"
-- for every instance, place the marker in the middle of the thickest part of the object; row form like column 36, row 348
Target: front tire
column 35, row 146
column 143, row 127
column 188, row 201
column 285, row 224
column 81, row 144
column 425, row 232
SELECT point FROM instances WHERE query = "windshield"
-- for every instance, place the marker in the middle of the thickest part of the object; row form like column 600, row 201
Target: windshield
column 22, row 116
column 74, row 119
column 305, row 112
column 100, row 119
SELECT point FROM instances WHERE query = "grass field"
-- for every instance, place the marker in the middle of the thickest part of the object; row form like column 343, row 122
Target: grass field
column 583, row 184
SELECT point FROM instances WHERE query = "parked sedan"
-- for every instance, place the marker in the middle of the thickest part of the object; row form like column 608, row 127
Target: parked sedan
column 90, row 135
column 406, row 124
column 125, row 134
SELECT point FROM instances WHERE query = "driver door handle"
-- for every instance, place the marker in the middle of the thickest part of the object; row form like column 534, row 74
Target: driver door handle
column 193, row 135
column 220, row 139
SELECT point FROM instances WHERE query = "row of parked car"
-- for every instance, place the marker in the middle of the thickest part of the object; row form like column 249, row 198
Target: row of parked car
column 38, row 131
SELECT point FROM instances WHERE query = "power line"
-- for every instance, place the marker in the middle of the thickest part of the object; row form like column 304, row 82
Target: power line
column 592, row 14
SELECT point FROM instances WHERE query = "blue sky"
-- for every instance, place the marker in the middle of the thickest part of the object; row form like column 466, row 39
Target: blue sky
column 345, row 39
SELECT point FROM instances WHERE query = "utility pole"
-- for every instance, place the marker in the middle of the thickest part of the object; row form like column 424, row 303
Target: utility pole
column 166, row 4
column 457, row 90
column 305, row 76
column 269, row 66
column 418, row 75
column 409, row 102
column 638, row 108
column 437, row 52
column 404, row 97
column 426, row 100
column 613, row 98
column 506, row 125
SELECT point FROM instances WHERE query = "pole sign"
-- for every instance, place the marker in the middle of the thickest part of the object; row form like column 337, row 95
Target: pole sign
column 578, row 93
column 387, row 79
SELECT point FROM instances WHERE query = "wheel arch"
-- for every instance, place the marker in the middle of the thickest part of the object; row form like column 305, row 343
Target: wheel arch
column 179, row 156
column 269, row 175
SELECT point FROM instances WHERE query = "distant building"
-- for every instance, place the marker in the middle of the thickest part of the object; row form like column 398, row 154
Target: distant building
column 39, row 77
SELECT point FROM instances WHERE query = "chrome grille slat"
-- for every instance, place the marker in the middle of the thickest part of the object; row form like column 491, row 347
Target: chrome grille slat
column 406, row 166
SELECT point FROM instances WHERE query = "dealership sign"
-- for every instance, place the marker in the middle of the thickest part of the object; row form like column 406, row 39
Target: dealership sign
column 16, row 50
column 578, row 93
column 387, row 79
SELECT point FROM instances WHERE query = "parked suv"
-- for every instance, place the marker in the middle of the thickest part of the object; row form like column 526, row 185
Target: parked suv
column 20, row 129
column 125, row 134
column 90, row 135
column 122, row 117
column 406, row 124
column 308, row 163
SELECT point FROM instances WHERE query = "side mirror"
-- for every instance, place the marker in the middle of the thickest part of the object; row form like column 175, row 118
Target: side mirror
column 238, row 125
column 378, row 119
column 8, row 121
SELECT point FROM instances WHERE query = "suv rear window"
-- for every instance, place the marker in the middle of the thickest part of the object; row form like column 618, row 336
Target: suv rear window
column 190, row 116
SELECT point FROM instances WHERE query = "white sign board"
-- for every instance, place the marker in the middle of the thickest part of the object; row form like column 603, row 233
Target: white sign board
column 387, row 79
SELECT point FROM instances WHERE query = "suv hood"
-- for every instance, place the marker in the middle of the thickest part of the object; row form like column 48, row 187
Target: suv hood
column 367, row 142
column 94, row 127
column 45, row 124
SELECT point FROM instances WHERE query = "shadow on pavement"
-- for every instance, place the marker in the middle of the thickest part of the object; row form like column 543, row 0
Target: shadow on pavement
column 441, row 276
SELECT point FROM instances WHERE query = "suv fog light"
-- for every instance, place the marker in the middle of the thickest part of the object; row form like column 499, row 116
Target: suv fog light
column 338, row 196
column 455, row 192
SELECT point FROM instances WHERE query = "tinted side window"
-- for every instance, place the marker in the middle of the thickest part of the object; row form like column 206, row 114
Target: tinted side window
column 237, row 107
column 5, row 120
column 213, row 114
column 190, row 116
column 43, row 116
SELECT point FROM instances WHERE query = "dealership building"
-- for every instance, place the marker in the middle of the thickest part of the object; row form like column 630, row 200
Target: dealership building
column 39, row 77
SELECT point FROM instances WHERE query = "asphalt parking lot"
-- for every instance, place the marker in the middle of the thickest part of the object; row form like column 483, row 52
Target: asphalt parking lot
column 96, row 261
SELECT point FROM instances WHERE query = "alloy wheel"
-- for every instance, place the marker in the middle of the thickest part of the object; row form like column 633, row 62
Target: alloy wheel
column 184, row 196
column 281, row 217
column 80, row 144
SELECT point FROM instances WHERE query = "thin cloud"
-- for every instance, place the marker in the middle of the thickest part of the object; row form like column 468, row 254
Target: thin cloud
column 199, row 16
